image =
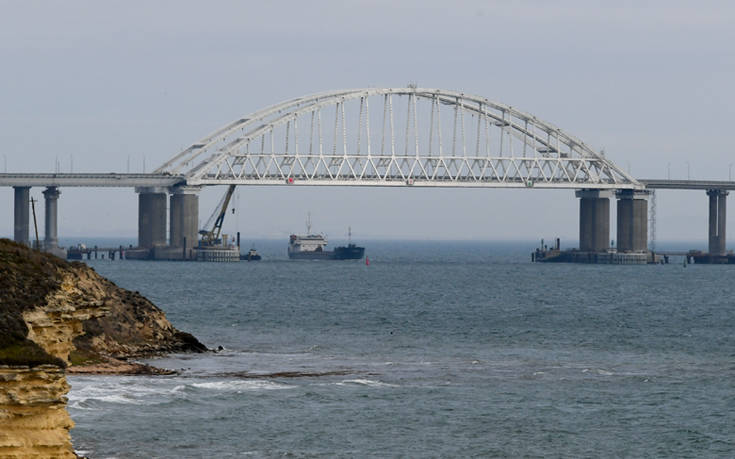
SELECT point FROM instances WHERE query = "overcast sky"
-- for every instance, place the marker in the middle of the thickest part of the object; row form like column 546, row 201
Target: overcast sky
column 106, row 84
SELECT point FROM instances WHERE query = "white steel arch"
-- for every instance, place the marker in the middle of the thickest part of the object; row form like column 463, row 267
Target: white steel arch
column 395, row 137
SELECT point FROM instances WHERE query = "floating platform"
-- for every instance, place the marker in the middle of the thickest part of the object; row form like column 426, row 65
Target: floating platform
column 227, row 254
column 601, row 258
column 702, row 258
column 165, row 253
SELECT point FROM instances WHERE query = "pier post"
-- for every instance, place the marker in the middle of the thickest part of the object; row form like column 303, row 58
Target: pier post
column 632, row 220
column 22, row 214
column 151, row 217
column 594, row 220
column 717, row 221
column 51, row 195
column 184, row 217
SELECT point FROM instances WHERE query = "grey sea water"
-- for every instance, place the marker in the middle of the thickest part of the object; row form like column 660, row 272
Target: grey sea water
column 437, row 349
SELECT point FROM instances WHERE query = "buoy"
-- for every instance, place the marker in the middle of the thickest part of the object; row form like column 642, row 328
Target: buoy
column 367, row 261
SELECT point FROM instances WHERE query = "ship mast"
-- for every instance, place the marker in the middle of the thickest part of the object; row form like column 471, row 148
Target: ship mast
column 349, row 235
column 308, row 223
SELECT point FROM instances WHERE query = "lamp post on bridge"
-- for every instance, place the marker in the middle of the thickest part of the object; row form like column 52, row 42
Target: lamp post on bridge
column 729, row 172
column 688, row 171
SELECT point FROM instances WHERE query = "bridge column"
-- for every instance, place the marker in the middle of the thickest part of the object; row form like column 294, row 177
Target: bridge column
column 717, row 220
column 184, row 216
column 151, row 217
column 51, row 195
column 632, row 220
column 594, row 220
column 22, row 214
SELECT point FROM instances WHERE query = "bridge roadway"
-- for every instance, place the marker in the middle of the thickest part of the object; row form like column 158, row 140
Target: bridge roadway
column 90, row 179
column 120, row 180
column 668, row 184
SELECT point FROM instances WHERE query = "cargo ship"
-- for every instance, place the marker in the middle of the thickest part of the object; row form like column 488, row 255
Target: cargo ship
column 313, row 247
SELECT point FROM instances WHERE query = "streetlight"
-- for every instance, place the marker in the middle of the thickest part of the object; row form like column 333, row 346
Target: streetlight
column 729, row 172
column 5, row 160
column 688, row 171
column 668, row 171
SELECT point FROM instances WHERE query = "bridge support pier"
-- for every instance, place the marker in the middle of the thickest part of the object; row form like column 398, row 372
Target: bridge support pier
column 594, row 220
column 22, row 214
column 51, row 241
column 717, row 221
column 184, row 216
column 632, row 221
column 151, row 217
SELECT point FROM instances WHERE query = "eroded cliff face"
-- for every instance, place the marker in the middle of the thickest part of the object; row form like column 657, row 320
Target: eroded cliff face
column 43, row 307
column 54, row 325
column 34, row 422
column 45, row 303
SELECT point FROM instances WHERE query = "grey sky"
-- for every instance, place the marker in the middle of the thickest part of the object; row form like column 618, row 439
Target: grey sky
column 101, row 82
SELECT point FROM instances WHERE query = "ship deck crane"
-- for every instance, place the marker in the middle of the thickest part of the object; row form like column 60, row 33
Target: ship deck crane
column 211, row 236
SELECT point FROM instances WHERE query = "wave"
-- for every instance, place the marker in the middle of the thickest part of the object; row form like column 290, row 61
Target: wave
column 365, row 382
column 155, row 392
column 252, row 384
column 599, row 371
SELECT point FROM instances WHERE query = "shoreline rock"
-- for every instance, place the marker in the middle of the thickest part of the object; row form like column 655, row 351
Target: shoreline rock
column 56, row 318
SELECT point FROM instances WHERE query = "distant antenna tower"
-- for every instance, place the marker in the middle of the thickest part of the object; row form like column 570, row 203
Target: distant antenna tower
column 652, row 222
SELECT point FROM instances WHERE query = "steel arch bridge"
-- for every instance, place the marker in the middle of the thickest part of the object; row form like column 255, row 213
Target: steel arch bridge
column 395, row 137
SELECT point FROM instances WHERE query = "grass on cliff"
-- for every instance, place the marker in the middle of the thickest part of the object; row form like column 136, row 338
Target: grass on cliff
column 26, row 278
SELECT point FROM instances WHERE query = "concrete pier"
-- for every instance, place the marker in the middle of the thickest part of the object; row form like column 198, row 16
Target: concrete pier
column 51, row 241
column 151, row 217
column 184, row 218
column 594, row 220
column 717, row 221
column 632, row 221
column 22, row 214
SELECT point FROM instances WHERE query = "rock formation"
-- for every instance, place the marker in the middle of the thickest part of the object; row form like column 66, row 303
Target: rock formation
column 46, row 304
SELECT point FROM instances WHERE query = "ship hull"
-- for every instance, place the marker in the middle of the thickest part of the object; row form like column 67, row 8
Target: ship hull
column 340, row 253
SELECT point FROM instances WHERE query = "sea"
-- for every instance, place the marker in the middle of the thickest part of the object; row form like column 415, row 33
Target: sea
column 434, row 349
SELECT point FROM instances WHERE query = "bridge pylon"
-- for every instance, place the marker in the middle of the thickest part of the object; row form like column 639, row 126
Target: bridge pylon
column 632, row 220
column 717, row 221
column 151, row 217
column 594, row 220
column 21, row 225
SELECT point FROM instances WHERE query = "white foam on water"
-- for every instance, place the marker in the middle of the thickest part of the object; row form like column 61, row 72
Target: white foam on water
column 365, row 382
column 255, row 384
column 604, row 372
column 126, row 391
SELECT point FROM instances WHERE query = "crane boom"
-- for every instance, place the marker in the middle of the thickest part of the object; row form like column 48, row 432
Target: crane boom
column 211, row 237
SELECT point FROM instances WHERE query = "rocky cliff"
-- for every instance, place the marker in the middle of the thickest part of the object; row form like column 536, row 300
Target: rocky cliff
column 46, row 307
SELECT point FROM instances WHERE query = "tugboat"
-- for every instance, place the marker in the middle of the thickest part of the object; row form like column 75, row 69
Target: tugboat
column 252, row 255
column 312, row 247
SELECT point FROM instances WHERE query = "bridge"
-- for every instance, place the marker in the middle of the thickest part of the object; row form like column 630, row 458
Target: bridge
column 385, row 137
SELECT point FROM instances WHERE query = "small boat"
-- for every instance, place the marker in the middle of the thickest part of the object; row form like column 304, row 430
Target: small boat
column 252, row 255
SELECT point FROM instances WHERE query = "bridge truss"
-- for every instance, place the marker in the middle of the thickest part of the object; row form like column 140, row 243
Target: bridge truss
column 395, row 137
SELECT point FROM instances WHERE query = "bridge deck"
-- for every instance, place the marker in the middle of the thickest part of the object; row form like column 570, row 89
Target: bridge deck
column 114, row 179
column 688, row 184
column 111, row 179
